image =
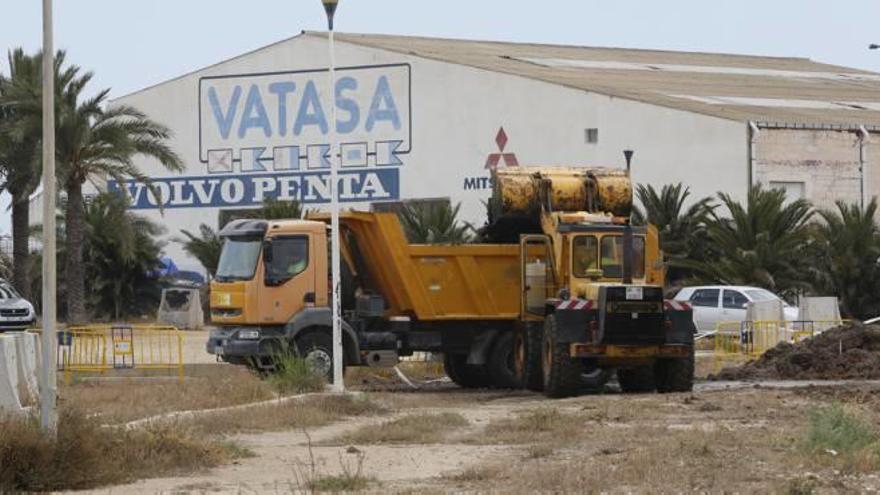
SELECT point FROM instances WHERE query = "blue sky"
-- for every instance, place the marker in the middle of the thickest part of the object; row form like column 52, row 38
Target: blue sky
column 130, row 45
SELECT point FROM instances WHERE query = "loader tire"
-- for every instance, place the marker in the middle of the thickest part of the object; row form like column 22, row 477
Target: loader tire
column 562, row 374
column 675, row 375
column 465, row 375
column 636, row 380
column 527, row 355
column 501, row 367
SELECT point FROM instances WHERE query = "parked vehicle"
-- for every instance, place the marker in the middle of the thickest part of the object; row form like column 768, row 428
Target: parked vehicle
column 569, row 290
column 16, row 312
column 716, row 303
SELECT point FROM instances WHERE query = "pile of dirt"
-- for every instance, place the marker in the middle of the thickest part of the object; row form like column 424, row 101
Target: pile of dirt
column 847, row 352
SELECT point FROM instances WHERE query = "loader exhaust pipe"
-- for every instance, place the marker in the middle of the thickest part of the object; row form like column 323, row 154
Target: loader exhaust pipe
column 628, row 254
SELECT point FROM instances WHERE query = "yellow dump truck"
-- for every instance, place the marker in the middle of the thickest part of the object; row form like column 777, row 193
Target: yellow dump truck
column 553, row 303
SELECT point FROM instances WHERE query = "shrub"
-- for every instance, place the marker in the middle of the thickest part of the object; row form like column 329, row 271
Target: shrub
column 294, row 375
column 838, row 429
column 85, row 455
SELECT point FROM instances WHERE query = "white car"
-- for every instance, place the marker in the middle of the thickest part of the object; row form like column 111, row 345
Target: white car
column 16, row 313
column 716, row 303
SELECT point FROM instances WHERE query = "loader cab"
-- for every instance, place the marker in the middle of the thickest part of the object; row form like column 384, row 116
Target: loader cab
column 268, row 271
column 580, row 257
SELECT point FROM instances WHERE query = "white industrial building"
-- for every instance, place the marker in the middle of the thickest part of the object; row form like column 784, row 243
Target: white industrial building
column 428, row 118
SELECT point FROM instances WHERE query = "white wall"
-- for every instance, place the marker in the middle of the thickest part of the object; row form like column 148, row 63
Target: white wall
column 456, row 113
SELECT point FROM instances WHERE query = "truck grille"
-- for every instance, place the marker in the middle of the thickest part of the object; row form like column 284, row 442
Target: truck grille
column 622, row 329
column 632, row 321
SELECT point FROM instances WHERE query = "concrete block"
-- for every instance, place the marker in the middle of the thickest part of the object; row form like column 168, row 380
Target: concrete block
column 9, row 399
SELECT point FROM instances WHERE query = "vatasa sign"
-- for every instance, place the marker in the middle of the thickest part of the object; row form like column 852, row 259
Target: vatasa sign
column 266, row 135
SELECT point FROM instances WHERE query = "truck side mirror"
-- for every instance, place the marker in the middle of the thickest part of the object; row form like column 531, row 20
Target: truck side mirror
column 267, row 251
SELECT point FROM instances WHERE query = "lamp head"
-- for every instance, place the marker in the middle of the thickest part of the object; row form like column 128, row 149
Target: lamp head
column 330, row 8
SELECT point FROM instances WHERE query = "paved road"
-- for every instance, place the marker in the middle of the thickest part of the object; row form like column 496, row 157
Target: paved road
column 194, row 347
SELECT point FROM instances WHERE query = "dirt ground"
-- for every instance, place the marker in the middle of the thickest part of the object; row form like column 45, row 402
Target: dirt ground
column 724, row 437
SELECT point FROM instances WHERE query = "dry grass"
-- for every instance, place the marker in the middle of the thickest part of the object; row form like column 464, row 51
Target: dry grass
column 311, row 412
column 85, row 455
column 744, row 441
column 475, row 474
column 125, row 399
column 542, row 425
column 412, row 429
column 373, row 379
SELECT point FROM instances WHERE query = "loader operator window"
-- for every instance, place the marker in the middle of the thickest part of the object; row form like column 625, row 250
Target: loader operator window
column 584, row 255
column 612, row 256
column 238, row 259
column 290, row 257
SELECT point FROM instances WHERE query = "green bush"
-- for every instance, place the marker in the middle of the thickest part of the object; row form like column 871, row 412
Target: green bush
column 294, row 375
column 839, row 429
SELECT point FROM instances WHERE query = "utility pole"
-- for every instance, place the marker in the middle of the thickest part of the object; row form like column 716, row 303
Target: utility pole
column 48, row 414
column 338, row 385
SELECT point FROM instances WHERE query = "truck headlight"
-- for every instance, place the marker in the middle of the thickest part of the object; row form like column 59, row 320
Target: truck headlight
column 248, row 334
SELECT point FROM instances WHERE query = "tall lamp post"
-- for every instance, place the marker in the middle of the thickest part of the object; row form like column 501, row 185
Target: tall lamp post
column 338, row 385
column 48, row 417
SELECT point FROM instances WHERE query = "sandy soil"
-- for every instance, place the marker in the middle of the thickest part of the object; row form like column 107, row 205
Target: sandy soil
column 724, row 437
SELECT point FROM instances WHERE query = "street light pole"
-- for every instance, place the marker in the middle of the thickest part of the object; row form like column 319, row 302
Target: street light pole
column 48, row 416
column 338, row 385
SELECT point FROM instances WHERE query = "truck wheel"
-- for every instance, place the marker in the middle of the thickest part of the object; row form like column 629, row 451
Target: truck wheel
column 527, row 354
column 562, row 374
column 316, row 348
column 502, row 370
column 465, row 375
column 636, row 380
column 675, row 375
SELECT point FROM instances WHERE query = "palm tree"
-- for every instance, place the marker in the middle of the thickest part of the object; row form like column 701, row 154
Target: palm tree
column 434, row 223
column 121, row 258
column 94, row 142
column 761, row 243
column 847, row 258
column 271, row 209
column 682, row 231
column 20, row 134
column 205, row 247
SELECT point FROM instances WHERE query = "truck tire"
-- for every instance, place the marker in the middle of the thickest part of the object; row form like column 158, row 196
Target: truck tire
column 636, row 380
column 527, row 354
column 675, row 375
column 465, row 375
column 562, row 374
column 317, row 350
column 502, row 371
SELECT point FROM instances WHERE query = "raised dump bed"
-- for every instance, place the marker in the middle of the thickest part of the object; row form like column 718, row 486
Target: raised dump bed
column 433, row 282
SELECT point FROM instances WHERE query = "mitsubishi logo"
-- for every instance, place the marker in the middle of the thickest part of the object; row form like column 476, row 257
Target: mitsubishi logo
column 495, row 158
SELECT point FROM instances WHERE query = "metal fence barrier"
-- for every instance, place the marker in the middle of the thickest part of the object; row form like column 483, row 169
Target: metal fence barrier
column 101, row 348
column 742, row 340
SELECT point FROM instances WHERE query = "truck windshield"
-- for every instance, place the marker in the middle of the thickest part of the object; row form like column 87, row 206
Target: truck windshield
column 612, row 256
column 238, row 260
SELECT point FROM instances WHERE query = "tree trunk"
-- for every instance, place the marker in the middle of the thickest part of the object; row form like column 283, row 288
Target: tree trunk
column 74, row 273
column 21, row 261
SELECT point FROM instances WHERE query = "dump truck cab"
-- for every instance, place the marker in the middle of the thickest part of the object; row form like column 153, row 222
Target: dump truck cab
column 271, row 287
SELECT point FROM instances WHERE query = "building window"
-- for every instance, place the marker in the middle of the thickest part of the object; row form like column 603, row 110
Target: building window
column 793, row 190
column 592, row 135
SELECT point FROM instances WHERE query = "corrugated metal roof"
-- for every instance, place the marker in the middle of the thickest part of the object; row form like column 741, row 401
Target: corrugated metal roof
column 736, row 87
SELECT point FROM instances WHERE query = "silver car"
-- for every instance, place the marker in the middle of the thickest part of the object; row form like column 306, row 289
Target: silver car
column 16, row 312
